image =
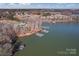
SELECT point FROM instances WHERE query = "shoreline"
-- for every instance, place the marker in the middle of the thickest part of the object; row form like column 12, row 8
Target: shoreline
column 28, row 34
column 22, row 34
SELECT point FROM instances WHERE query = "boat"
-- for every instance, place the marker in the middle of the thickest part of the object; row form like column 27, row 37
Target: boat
column 21, row 47
column 39, row 34
column 54, row 22
column 45, row 27
column 45, row 31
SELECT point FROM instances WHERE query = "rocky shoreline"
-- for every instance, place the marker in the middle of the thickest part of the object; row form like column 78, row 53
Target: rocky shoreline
column 21, row 34
column 9, row 35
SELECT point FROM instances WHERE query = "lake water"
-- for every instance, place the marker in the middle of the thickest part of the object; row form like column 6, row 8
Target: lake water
column 62, row 39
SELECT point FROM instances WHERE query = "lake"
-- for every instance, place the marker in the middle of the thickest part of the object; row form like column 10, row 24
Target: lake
column 62, row 39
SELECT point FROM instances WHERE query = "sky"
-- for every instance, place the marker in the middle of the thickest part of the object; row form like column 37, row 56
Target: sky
column 39, row 5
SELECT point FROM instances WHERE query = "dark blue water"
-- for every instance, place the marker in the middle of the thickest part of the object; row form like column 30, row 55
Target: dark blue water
column 62, row 39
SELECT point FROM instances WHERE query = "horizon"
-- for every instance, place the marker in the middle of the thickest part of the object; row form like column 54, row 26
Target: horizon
column 39, row 5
